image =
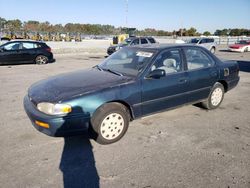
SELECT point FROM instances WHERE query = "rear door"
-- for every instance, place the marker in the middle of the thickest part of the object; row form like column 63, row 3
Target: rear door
column 169, row 90
column 201, row 71
column 28, row 51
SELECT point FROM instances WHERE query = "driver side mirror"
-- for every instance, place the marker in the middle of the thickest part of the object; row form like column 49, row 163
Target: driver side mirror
column 156, row 74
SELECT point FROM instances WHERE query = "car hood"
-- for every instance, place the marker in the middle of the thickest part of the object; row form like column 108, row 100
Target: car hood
column 70, row 85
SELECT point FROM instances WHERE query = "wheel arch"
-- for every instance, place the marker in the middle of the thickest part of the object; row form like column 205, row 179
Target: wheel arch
column 131, row 114
column 39, row 55
column 225, row 85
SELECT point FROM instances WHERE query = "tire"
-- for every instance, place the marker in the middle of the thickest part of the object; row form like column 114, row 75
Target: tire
column 212, row 50
column 109, row 123
column 246, row 49
column 215, row 97
column 41, row 59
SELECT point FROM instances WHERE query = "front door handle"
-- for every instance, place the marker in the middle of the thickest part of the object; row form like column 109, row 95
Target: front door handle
column 213, row 74
column 183, row 80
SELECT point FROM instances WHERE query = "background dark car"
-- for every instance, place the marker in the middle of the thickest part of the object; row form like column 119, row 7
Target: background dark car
column 131, row 41
column 21, row 51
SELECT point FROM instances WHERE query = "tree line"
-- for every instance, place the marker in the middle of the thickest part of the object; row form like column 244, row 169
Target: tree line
column 17, row 25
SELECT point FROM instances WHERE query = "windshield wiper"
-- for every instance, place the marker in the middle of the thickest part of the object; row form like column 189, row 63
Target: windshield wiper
column 114, row 72
column 99, row 68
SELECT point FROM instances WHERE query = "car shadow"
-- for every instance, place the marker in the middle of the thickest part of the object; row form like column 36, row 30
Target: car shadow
column 224, row 50
column 9, row 65
column 77, row 161
column 244, row 66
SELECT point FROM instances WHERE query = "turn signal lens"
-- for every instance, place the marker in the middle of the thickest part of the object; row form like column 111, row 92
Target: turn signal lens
column 42, row 124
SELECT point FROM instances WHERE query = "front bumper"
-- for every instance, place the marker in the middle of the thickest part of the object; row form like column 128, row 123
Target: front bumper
column 111, row 51
column 70, row 124
column 52, row 60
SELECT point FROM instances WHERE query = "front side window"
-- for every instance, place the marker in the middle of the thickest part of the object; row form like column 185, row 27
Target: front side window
column 203, row 41
column 169, row 61
column 197, row 59
column 135, row 42
column 12, row 46
column 129, row 61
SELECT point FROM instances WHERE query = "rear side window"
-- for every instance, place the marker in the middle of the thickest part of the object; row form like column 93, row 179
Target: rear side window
column 29, row 45
column 144, row 41
column 151, row 40
column 197, row 59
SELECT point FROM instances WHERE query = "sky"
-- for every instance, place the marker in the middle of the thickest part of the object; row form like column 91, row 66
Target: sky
column 204, row 15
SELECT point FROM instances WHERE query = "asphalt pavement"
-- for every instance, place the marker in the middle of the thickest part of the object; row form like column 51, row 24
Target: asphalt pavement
column 185, row 147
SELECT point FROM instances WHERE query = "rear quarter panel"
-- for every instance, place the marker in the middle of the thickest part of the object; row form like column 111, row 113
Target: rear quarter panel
column 229, row 72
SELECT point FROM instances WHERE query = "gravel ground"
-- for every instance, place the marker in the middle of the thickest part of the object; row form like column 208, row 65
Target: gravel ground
column 185, row 147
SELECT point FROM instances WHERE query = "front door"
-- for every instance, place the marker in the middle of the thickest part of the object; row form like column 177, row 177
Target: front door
column 10, row 53
column 169, row 90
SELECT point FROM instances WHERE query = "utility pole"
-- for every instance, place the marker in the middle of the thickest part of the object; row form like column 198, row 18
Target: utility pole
column 126, row 13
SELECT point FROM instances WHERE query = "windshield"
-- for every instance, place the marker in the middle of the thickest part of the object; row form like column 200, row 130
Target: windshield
column 129, row 61
column 194, row 41
column 127, row 41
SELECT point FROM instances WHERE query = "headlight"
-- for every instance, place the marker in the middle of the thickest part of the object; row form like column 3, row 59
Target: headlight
column 54, row 109
column 117, row 48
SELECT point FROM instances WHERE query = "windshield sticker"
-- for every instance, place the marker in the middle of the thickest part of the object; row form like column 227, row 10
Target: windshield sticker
column 144, row 54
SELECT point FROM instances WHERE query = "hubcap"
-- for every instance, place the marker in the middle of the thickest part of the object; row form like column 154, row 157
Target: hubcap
column 112, row 126
column 216, row 96
column 41, row 60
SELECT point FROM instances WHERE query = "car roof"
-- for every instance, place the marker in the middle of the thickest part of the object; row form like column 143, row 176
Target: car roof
column 139, row 37
column 32, row 41
column 162, row 46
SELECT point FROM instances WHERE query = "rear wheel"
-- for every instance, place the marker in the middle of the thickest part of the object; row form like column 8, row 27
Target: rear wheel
column 246, row 49
column 110, row 123
column 41, row 59
column 215, row 97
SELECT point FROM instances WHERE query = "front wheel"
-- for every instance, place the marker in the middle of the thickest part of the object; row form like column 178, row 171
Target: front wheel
column 110, row 123
column 215, row 97
column 212, row 50
column 41, row 59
